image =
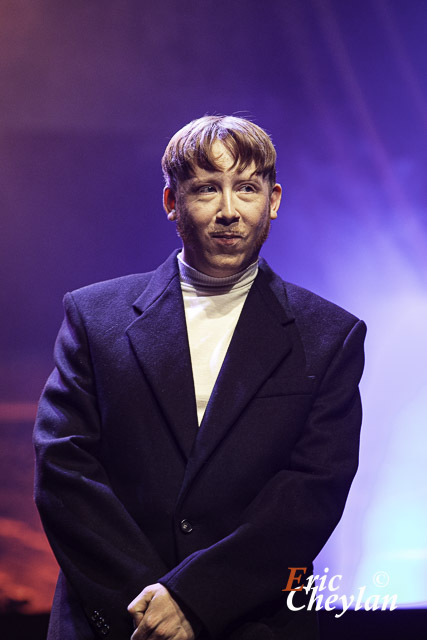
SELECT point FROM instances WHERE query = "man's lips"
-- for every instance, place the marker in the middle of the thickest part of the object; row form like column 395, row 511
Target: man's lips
column 230, row 240
column 226, row 235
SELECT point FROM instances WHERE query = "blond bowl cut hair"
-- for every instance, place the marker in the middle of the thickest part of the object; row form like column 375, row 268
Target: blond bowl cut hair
column 192, row 146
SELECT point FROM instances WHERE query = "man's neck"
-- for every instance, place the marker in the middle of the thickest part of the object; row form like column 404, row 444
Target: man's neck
column 197, row 278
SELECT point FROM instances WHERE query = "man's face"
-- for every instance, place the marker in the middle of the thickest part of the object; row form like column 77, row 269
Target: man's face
column 223, row 217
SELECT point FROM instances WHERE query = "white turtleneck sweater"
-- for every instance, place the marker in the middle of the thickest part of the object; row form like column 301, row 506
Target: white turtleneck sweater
column 212, row 309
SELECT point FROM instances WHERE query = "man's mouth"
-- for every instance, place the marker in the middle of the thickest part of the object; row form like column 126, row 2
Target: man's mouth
column 227, row 240
column 223, row 234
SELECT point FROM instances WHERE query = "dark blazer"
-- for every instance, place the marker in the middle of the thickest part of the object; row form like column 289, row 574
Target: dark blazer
column 131, row 491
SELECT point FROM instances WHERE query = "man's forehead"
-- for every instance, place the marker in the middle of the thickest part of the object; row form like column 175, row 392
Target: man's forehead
column 221, row 153
column 225, row 163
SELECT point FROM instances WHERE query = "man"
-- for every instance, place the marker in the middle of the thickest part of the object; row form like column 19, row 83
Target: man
column 199, row 434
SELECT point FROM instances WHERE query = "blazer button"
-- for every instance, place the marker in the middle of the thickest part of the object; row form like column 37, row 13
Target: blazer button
column 186, row 526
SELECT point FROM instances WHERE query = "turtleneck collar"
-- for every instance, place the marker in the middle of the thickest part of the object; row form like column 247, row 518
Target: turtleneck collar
column 197, row 279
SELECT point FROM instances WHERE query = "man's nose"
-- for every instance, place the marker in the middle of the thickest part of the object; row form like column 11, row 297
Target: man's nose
column 227, row 212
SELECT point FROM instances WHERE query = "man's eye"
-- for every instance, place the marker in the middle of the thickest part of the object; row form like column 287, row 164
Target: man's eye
column 247, row 188
column 207, row 188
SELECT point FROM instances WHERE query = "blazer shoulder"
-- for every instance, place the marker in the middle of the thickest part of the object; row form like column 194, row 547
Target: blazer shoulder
column 115, row 293
column 323, row 326
column 123, row 292
column 308, row 306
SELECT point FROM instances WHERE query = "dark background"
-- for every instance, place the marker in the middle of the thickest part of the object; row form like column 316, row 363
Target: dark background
column 90, row 93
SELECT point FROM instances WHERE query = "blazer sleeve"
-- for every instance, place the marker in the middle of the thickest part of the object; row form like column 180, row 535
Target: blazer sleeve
column 100, row 549
column 290, row 520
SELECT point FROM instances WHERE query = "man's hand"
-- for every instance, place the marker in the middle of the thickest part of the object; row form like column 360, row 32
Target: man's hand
column 157, row 616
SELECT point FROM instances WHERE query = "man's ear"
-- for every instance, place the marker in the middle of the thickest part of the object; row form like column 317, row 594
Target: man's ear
column 275, row 198
column 169, row 203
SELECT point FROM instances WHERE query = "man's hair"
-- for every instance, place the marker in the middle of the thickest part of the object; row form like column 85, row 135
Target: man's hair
column 192, row 146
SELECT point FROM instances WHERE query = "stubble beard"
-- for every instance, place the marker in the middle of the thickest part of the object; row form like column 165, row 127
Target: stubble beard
column 186, row 230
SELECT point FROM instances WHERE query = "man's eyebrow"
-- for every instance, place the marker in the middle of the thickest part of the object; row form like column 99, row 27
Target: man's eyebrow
column 207, row 175
column 198, row 180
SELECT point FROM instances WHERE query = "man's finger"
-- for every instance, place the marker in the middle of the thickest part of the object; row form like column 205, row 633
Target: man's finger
column 139, row 605
column 162, row 618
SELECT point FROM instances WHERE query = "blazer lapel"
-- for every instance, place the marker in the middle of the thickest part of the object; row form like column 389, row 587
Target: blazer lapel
column 159, row 340
column 260, row 342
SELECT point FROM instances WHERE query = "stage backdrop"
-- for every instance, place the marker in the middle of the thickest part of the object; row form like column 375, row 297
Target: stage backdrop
column 90, row 93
